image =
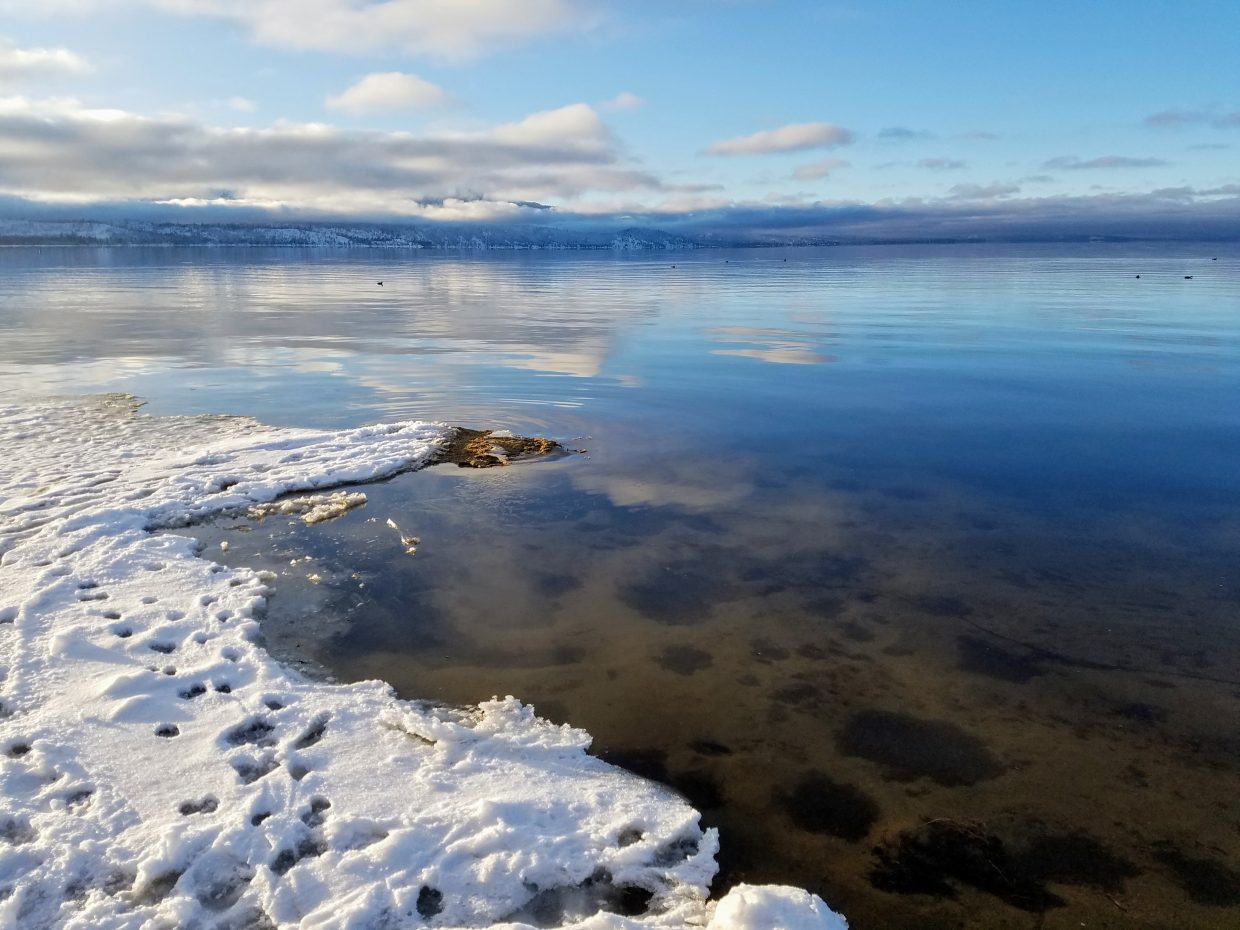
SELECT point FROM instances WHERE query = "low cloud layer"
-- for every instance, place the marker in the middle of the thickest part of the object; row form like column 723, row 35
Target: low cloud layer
column 792, row 138
column 986, row 212
column 968, row 213
column 62, row 151
column 561, row 167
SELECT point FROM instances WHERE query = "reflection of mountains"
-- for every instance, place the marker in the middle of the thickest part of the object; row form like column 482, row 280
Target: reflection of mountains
column 777, row 346
column 557, row 317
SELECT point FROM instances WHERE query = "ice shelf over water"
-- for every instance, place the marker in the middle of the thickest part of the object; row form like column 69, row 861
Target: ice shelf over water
column 159, row 770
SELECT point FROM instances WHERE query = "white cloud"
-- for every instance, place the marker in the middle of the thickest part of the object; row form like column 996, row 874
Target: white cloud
column 63, row 151
column 1074, row 163
column 18, row 63
column 791, row 138
column 241, row 104
column 982, row 191
column 388, row 90
column 625, row 101
column 453, row 29
column 819, row 169
column 575, row 127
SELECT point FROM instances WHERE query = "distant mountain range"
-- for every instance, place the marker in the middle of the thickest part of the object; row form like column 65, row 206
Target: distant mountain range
column 505, row 237
column 326, row 235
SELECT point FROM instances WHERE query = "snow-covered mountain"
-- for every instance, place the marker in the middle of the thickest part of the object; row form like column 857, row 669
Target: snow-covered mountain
column 326, row 235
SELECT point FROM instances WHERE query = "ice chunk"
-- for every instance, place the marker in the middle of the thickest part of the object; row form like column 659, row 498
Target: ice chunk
column 773, row 907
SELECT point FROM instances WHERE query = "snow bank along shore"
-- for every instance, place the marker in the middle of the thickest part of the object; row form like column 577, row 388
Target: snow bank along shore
column 159, row 770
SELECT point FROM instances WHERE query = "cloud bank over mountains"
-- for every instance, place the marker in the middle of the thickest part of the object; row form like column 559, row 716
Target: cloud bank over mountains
column 391, row 141
column 60, row 158
column 59, row 151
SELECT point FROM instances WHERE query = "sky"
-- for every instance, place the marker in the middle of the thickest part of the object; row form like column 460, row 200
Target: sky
column 888, row 117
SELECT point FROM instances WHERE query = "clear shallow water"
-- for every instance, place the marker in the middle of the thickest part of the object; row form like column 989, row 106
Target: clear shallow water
column 863, row 537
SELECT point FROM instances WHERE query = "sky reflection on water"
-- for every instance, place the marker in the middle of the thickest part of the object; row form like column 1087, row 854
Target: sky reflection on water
column 978, row 504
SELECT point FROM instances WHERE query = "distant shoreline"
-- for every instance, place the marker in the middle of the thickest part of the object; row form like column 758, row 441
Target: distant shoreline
column 77, row 243
column 478, row 237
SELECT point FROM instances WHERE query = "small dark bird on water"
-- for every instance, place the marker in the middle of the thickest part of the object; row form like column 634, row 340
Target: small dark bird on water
column 380, row 283
column 1188, row 277
column 1138, row 276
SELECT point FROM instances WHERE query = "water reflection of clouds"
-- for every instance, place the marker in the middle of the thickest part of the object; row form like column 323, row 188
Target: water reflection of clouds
column 317, row 367
column 83, row 376
column 583, row 361
column 661, row 491
column 197, row 309
column 505, row 329
column 776, row 346
column 482, row 379
column 677, row 479
column 781, row 354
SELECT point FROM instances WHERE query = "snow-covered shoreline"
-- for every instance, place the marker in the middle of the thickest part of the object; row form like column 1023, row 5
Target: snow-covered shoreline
column 158, row 769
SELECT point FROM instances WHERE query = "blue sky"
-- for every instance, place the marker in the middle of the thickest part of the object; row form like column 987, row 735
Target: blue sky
column 477, row 109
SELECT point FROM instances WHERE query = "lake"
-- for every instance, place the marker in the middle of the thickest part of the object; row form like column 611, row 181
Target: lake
column 915, row 568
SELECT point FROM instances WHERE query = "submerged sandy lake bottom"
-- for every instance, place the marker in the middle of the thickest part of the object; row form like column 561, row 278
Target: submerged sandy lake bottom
column 915, row 570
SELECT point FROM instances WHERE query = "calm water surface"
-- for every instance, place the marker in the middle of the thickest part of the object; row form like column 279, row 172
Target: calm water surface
column 915, row 569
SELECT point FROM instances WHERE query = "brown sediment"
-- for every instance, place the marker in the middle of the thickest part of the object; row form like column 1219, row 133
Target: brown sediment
column 933, row 858
column 1082, row 780
column 941, row 855
column 474, row 448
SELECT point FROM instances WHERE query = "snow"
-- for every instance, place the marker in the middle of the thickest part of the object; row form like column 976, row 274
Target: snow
column 159, row 770
column 312, row 508
column 774, row 907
